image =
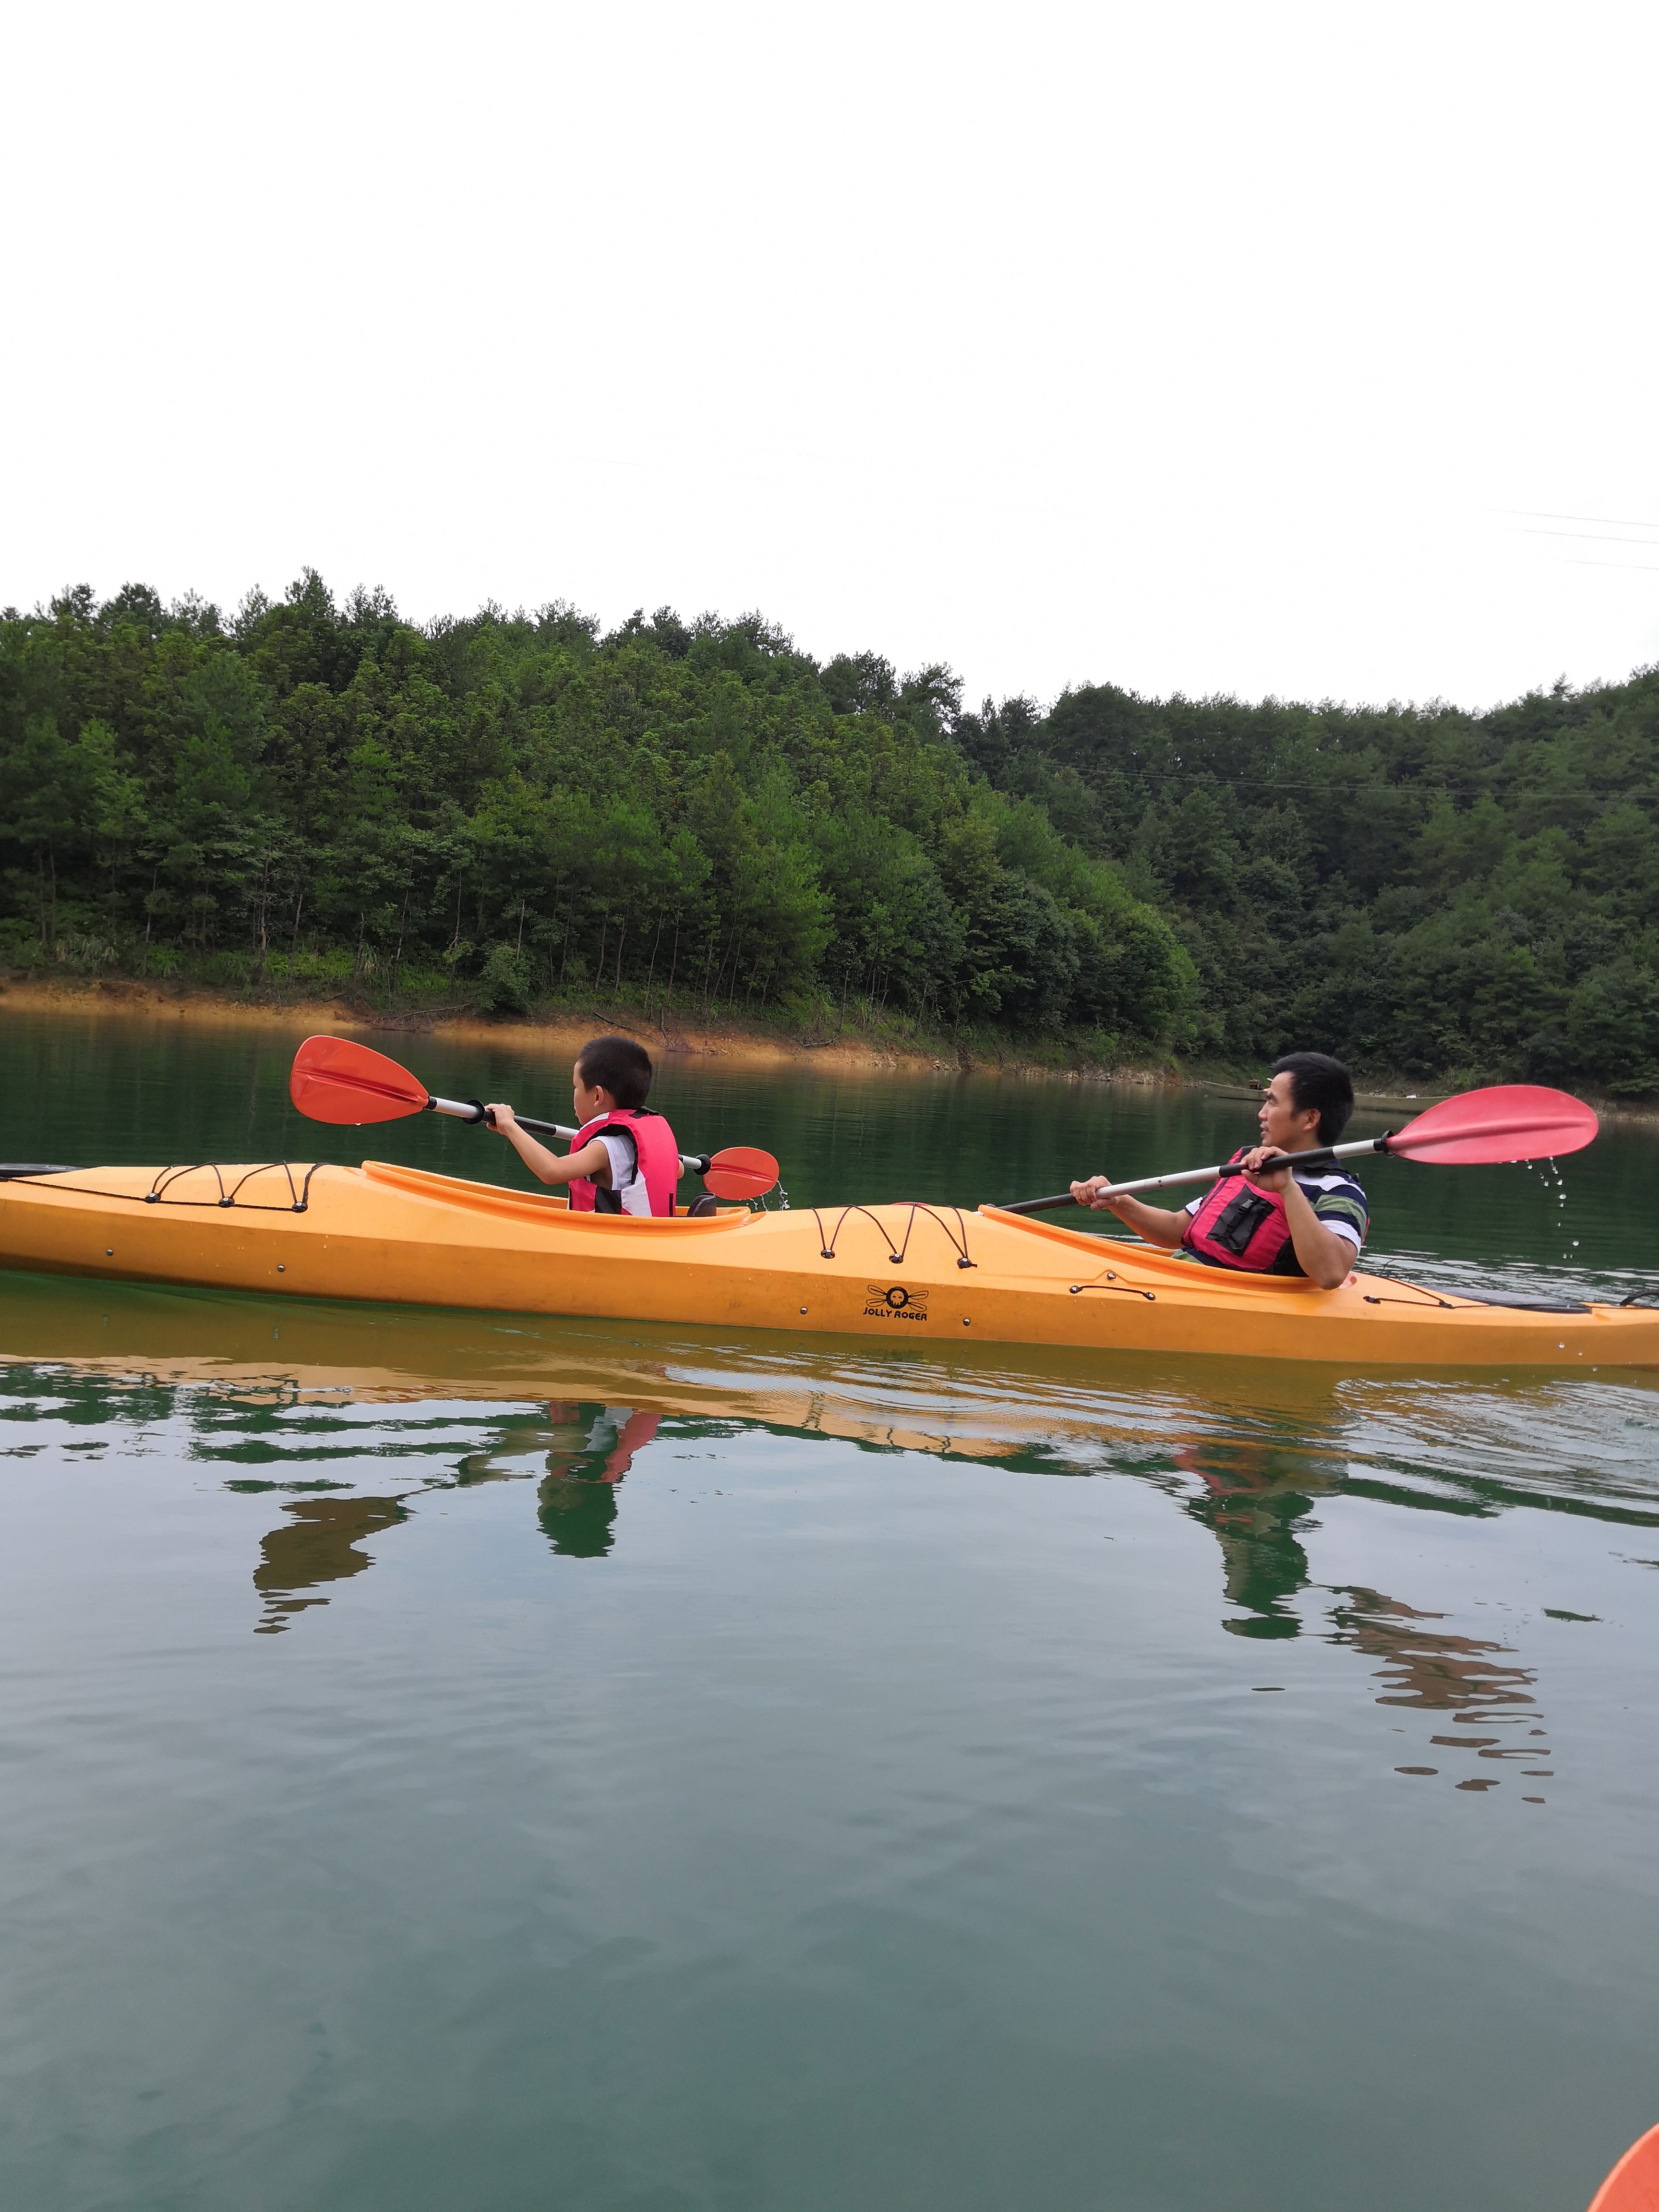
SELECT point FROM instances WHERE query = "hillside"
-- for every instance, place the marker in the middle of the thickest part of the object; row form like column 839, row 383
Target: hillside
column 515, row 810
column 1417, row 889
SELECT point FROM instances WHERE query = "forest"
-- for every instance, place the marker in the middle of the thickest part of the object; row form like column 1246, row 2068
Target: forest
column 695, row 820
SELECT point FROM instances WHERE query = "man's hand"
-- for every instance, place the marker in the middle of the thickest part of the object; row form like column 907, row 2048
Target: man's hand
column 1325, row 1258
column 1256, row 1172
column 1150, row 1222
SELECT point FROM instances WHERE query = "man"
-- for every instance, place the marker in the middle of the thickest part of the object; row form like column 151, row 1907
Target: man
column 1264, row 1222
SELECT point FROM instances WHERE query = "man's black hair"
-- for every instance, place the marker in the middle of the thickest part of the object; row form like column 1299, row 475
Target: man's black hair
column 1318, row 1081
column 617, row 1065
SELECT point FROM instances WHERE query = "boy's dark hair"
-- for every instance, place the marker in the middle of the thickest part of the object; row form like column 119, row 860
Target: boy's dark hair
column 1318, row 1081
column 617, row 1065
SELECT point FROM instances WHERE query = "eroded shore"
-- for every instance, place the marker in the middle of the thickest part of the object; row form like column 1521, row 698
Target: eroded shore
column 560, row 1032
column 563, row 1032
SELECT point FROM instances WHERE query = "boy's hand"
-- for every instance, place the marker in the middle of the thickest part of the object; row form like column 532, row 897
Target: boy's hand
column 1087, row 1193
column 500, row 1119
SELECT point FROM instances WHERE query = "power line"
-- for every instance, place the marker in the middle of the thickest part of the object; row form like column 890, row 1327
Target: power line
column 1549, row 514
column 1592, row 537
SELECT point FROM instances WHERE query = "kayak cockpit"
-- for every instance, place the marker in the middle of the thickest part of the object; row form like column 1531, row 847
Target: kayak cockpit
column 497, row 1200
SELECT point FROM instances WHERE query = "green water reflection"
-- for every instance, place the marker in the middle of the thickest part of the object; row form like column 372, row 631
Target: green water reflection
column 475, row 1759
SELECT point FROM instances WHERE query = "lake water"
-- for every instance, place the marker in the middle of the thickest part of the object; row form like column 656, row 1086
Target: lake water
column 460, row 1760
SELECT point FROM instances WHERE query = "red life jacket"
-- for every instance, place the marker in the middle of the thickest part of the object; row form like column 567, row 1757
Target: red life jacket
column 636, row 1433
column 1238, row 1227
column 658, row 1154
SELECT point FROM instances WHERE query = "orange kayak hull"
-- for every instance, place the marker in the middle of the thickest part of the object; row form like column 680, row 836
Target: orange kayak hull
column 896, row 1270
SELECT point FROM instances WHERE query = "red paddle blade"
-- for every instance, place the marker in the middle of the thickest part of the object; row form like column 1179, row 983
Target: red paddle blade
column 1633, row 2185
column 1510, row 1122
column 332, row 1079
column 741, row 1171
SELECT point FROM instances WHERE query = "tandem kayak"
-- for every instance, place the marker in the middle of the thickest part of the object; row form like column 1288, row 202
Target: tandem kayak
column 898, row 1270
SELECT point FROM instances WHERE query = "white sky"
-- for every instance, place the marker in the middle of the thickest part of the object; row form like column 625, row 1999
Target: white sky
column 1205, row 348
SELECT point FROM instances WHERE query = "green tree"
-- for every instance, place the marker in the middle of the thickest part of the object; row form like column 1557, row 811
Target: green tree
column 701, row 809
column 44, row 792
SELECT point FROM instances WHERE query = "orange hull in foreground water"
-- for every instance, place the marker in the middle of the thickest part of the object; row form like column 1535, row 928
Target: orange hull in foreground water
column 903, row 1272
column 1633, row 2185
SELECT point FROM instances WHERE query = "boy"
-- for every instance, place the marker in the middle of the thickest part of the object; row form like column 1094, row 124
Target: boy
column 624, row 1159
column 1268, row 1222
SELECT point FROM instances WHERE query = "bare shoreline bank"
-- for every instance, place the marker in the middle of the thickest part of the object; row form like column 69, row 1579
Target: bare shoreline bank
column 736, row 1047
column 561, row 1031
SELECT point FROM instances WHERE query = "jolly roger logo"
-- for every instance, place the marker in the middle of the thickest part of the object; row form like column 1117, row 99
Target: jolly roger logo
column 893, row 1302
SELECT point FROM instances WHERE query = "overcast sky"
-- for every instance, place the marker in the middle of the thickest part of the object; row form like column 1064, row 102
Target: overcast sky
column 1301, row 349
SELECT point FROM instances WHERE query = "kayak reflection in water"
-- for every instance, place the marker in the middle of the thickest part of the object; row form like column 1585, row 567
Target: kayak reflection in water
column 1312, row 1222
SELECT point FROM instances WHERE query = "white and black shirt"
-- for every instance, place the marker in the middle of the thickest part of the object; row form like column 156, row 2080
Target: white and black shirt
column 626, row 1181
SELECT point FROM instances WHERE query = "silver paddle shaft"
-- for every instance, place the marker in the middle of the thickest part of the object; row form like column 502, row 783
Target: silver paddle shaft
column 1235, row 1167
column 1209, row 1174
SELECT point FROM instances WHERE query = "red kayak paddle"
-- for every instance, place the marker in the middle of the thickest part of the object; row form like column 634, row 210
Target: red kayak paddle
column 1478, row 1128
column 1633, row 2185
column 337, row 1080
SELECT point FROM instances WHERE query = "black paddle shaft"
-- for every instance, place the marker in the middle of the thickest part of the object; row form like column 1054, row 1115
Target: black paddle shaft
column 474, row 1109
column 698, row 1162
